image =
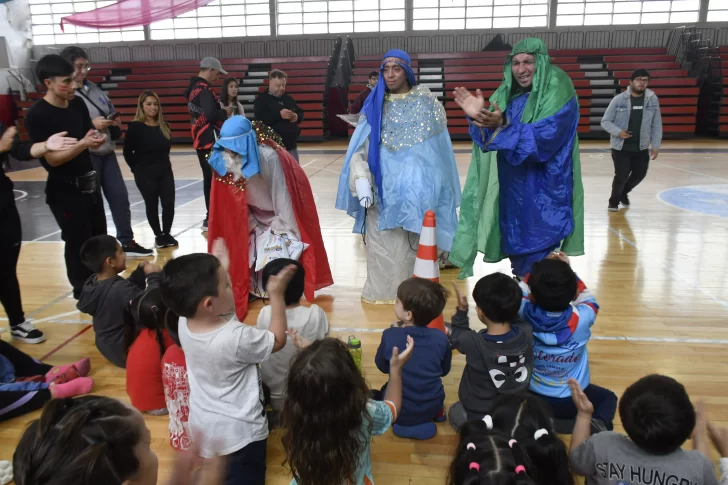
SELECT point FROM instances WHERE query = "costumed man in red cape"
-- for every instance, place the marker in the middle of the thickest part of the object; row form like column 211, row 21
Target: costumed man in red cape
column 262, row 206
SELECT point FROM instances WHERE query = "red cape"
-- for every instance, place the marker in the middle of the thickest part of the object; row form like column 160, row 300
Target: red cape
column 229, row 221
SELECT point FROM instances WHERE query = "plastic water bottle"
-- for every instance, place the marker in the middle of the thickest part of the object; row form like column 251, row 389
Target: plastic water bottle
column 354, row 345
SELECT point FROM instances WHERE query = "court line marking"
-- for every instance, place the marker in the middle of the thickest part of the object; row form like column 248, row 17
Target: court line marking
column 68, row 341
column 674, row 273
column 694, row 172
column 108, row 213
column 659, row 197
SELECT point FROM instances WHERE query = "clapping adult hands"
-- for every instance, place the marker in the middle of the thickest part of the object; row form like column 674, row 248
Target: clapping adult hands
column 93, row 139
column 60, row 142
column 474, row 107
column 6, row 142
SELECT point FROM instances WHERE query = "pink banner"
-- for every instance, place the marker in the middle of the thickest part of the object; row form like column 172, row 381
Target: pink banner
column 130, row 13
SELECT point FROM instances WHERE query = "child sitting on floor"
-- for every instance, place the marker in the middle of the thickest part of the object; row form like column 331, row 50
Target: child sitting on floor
column 309, row 322
column 561, row 311
column 658, row 417
column 147, row 341
column 487, row 457
column 498, row 359
column 176, row 390
column 329, row 418
column 527, row 419
column 419, row 301
column 106, row 295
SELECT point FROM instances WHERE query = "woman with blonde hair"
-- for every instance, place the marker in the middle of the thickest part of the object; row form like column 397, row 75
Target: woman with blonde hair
column 146, row 150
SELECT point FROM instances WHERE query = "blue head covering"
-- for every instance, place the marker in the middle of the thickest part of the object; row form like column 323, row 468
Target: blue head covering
column 236, row 135
column 374, row 106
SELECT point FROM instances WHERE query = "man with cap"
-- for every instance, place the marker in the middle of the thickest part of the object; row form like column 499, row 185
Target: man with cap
column 206, row 117
column 260, row 193
column 399, row 164
column 523, row 197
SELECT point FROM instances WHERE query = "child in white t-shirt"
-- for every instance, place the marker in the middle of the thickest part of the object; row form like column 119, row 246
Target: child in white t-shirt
column 309, row 322
column 226, row 397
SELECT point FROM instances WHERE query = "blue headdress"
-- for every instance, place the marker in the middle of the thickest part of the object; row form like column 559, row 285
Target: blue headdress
column 237, row 135
column 374, row 105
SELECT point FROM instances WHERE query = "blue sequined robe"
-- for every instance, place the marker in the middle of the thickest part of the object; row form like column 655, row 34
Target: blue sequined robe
column 418, row 174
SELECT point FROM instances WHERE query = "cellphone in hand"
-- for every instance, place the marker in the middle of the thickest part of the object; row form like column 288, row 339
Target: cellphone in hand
column 112, row 116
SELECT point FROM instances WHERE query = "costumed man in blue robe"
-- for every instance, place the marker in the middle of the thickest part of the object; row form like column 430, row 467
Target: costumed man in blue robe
column 523, row 197
column 400, row 163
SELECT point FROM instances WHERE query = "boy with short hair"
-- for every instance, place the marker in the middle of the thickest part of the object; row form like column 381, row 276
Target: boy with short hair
column 419, row 301
column 561, row 310
column 310, row 323
column 71, row 189
column 499, row 359
column 222, row 354
column 658, row 417
column 106, row 295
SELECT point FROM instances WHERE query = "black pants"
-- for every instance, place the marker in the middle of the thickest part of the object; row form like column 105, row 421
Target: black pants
column 16, row 403
column 80, row 217
column 9, row 252
column 604, row 401
column 157, row 185
column 203, row 156
column 247, row 466
column 630, row 168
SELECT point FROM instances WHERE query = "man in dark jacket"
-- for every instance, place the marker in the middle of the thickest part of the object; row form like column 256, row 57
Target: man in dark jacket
column 12, row 238
column 206, row 117
column 358, row 103
column 279, row 111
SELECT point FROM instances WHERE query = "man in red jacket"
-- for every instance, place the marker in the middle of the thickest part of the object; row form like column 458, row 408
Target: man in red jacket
column 358, row 103
column 206, row 117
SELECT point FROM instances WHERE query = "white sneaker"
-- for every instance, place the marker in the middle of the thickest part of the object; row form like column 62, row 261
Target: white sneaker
column 26, row 332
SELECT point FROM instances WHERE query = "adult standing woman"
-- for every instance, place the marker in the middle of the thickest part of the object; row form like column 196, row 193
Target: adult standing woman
column 146, row 150
column 229, row 98
column 12, row 237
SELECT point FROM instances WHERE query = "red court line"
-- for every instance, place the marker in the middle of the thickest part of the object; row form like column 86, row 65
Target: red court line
column 74, row 337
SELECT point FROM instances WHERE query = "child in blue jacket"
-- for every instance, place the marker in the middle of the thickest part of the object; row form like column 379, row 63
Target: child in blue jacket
column 561, row 311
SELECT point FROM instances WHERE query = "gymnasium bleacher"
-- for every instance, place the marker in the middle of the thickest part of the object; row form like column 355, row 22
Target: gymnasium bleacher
column 598, row 75
column 723, row 119
column 126, row 80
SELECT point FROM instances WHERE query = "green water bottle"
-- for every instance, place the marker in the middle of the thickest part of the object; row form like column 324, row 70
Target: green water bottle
column 354, row 345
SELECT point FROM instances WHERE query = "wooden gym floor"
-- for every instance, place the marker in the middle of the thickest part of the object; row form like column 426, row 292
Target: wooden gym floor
column 658, row 270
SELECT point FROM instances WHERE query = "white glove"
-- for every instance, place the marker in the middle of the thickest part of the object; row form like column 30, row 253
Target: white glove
column 364, row 193
column 6, row 472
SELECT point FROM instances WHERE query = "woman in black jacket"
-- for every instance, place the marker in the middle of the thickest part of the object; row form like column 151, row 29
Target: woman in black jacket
column 146, row 149
column 12, row 237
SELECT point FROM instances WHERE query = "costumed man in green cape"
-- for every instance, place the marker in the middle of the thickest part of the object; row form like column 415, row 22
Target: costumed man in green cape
column 523, row 197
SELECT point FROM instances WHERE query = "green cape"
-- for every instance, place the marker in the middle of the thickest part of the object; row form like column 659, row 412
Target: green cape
column 478, row 229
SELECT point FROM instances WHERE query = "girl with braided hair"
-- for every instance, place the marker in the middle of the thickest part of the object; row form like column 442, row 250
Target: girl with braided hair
column 528, row 419
column 486, row 456
column 146, row 341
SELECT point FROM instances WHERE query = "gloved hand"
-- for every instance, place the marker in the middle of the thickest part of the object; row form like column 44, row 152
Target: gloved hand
column 364, row 193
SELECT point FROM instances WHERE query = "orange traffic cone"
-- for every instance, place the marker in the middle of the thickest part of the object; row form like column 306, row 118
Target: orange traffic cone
column 426, row 264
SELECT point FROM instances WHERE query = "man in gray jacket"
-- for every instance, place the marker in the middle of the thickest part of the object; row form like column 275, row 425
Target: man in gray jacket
column 634, row 122
column 103, row 158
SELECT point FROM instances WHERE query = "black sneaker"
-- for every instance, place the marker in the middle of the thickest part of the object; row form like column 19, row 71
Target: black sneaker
column 624, row 201
column 171, row 241
column 161, row 242
column 26, row 332
column 133, row 249
column 613, row 208
column 597, row 426
column 204, row 225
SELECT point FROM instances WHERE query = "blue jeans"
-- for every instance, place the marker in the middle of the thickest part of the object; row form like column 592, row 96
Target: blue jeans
column 112, row 183
column 294, row 154
column 247, row 465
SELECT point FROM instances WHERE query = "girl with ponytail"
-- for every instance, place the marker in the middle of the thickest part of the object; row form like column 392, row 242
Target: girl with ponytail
column 486, row 456
column 527, row 419
column 146, row 341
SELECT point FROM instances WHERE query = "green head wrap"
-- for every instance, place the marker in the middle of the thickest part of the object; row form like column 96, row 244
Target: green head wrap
column 551, row 88
column 478, row 228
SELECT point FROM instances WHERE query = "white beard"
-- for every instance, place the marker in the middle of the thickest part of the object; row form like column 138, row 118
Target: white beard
column 233, row 164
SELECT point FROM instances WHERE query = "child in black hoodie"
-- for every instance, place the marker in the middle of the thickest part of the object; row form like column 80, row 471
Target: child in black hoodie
column 106, row 295
column 499, row 359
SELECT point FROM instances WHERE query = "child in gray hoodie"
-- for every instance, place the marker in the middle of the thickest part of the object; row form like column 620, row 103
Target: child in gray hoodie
column 106, row 295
